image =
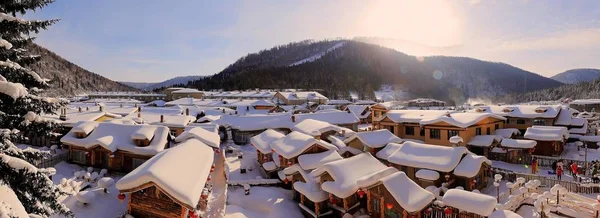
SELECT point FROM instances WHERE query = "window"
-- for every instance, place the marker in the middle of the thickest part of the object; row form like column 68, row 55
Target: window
column 488, row 131
column 539, row 122
column 434, row 133
column 391, row 129
column 452, row 133
column 478, row 131
column 137, row 162
column 422, row 132
column 78, row 156
column 507, row 121
column 409, row 130
column 520, row 121
column 376, row 205
column 497, row 126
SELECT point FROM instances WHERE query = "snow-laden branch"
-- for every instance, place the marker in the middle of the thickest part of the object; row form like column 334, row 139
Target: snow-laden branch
column 14, row 90
column 4, row 16
column 16, row 66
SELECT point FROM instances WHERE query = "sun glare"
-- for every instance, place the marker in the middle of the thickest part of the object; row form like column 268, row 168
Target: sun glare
column 433, row 23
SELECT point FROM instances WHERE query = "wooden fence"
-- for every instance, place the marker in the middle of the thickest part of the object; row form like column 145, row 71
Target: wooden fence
column 527, row 159
column 51, row 161
column 572, row 186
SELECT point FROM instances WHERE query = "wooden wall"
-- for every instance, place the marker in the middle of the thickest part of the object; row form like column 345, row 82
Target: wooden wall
column 151, row 202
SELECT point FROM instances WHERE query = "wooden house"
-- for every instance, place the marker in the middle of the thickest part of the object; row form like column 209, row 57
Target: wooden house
column 589, row 105
column 264, row 154
column 483, row 144
column 345, row 119
column 512, row 150
column 405, row 123
column 155, row 191
column 169, row 117
column 391, row 193
column 114, row 146
column 522, row 117
column 363, row 112
column 470, row 204
column 372, row 141
column 591, row 141
column 507, row 133
column 245, row 127
column 293, row 145
column 321, row 130
column 439, row 130
column 550, row 139
column 473, row 172
column 338, row 179
column 300, row 97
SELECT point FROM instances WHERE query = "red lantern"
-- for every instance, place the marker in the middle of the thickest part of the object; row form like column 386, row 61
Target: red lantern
column 428, row 211
column 290, row 164
column 217, row 151
column 389, row 206
column 331, row 200
column 530, row 150
column 204, row 196
column 361, row 193
column 272, row 150
column 286, row 180
column 212, row 170
column 208, row 178
column 448, row 211
column 191, row 214
column 121, row 197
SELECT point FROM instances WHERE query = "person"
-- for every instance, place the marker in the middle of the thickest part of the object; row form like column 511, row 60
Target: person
column 554, row 164
column 574, row 171
column 534, row 166
column 559, row 171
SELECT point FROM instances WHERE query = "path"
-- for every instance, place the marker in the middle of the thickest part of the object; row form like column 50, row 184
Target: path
column 218, row 196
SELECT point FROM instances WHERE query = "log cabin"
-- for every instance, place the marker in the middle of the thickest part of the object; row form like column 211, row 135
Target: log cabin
column 550, row 139
column 321, row 130
column 391, row 193
column 523, row 116
column 207, row 134
column 340, row 118
column 169, row 117
column 363, row 112
column 112, row 146
column 293, row 145
column 507, row 133
column 300, row 97
column 439, row 130
column 245, row 127
column 472, row 172
column 405, row 123
column 338, row 179
column 371, row 141
column 512, row 150
column 155, row 191
column 483, row 144
column 262, row 143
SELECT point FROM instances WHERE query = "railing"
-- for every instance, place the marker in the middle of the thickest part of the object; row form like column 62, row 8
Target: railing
column 572, row 186
column 51, row 161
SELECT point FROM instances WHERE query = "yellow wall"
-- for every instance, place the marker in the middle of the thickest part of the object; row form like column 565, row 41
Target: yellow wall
column 187, row 95
column 466, row 134
column 356, row 143
column 512, row 122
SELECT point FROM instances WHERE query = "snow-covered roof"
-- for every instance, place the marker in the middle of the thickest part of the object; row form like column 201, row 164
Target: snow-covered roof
column 338, row 102
column 504, row 214
column 522, row 111
column 546, row 133
column 10, row 206
column 209, row 138
column 580, row 130
column 256, row 122
column 412, row 116
column 427, row 174
column 507, row 132
column 388, row 150
column 303, row 95
column 518, row 143
column 585, row 101
column 187, row 91
column 211, row 127
column 589, row 138
column 375, row 139
column 180, row 172
column 312, row 161
column 462, row 120
column 316, row 127
column 74, row 116
column 469, row 166
column 115, row 137
column 168, row 120
column 578, row 121
column 426, row 156
column 262, row 142
column 334, row 117
column 564, row 118
column 361, row 111
column 346, row 172
column 484, row 140
column 471, row 202
column 406, row 192
column 295, row 143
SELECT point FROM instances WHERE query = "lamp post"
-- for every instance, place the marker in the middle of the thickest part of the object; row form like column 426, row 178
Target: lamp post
column 497, row 179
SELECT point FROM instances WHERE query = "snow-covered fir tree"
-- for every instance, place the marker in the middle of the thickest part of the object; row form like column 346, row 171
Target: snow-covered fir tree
column 20, row 110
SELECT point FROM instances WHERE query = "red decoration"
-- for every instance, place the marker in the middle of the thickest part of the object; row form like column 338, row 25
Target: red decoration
column 217, row 151
column 208, row 178
column 390, row 165
column 212, row 170
column 428, row 211
column 448, row 211
column 332, row 200
column 121, row 197
column 361, row 193
column 272, row 150
column 191, row 214
column 389, row 206
column 530, row 151
column 204, row 196
column 286, row 181
column 290, row 164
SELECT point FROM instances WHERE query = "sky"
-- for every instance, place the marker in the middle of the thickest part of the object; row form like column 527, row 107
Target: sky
column 154, row 40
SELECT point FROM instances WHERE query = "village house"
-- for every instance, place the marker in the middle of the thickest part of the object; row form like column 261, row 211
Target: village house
column 406, row 123
column 185, row 93
column 363, row 112
column 293, row 145
column 550, row 139
column 207, row 134
column 592, row 142
column 512, row 150
column 245, row 127
column 523, row 116
column 322, row 130
column 112, row 146
column 371, row 141
column 299, row 97
column 169, row 117
column 586, row 105
column 470, row 204
column 425, row 103
column 340, row 118
column 483, row 144
column 264, row 154
column 577, row 126
column 339, row 180
column 507, row 133
column 144, row 97
column 174, row 183
column 439, row 130
column 248, row 94
column 391, row 193
column 378, row 110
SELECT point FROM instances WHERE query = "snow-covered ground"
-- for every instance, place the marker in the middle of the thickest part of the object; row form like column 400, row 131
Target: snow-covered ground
column 263, row 202
column 527, row 169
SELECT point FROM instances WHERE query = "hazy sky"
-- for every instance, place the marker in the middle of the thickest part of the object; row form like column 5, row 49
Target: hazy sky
column 153, row 40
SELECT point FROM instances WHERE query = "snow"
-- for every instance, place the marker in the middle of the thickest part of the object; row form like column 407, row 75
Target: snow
column 388, row 150
column 406, row 192
column 115, row 137
column 564, row 118
column 311, row 190
column 312, row 161
column 412, row 116
column 579, row 130
column 507, row 133
column 461, row 120
column 295, row 143
column 471, row 202
column 209, row 138
column 16, row 66
column 143, row 133
column 484, row 140
column 504, row 214
column 256, row 122
column 426, row 156
column 361, row 111
column 269, row 166
column 10, row 206
column 14, row 90
column 470, row 165
column 427, row 174
column 17, row 163
column 518, row 143
column 334, row 117
column 375, row 139
column 316, row 56
column 346, row 172
column 522, row 111
column 171, row 170
column 263, row 140
column 85, row 196
column 590, row 138
column 5, row 44
column 338, row 102
column 546, row 133
column 263, row 202
column 316, row 127
column 176, row 120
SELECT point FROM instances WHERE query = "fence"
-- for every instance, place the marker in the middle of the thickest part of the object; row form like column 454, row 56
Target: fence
column 572, row 186
column 527, row 159
column 51, row 161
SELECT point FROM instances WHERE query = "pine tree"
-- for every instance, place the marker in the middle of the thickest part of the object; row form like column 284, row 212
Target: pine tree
column 20, row 110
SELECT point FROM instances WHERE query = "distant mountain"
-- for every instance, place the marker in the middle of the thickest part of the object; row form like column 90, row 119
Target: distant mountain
column 337, row 67
column 180, row 80
column 577, row 76
column 580, row 90
column 68, row 79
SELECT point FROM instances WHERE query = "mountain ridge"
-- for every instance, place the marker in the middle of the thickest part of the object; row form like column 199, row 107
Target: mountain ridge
column 577, row 75
column 149, row 86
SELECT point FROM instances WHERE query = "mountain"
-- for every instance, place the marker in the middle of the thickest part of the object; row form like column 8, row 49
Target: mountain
column 167, row 83
column 68, row 79
column 337, row 67
column 582, row 90
column 577, row 76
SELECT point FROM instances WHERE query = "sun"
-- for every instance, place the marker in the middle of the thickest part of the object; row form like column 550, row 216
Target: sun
column 428, row 22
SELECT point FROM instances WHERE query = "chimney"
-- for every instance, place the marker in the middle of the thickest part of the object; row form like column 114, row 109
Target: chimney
column 223, row 110
column 187, row 111
column 87, row 108
column 79, row 109
column 63, row 114
column 162, row 118
column 343, row 132
column 101, row 108
column 293, row 119
column 121, row 105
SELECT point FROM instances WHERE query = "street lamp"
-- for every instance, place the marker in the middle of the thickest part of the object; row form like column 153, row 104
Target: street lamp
column 497, row 179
